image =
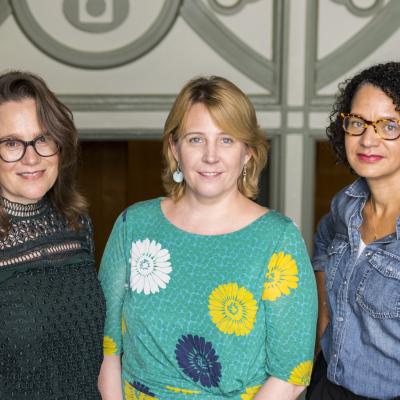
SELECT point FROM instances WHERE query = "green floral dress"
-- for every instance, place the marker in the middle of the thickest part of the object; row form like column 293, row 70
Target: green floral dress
column 207, row 316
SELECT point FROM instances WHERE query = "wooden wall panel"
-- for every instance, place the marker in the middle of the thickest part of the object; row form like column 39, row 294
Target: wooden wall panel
column 113, row 175
column 329, row 179
column 144, row 170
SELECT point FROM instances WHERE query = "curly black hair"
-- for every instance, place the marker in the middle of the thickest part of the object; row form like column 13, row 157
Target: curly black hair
column 383, row 76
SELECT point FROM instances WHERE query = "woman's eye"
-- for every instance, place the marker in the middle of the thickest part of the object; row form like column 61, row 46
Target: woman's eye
column 357, row 124
column 12, row 144
column 195, row 139
column 391, row 126
column 226, row 140
column 41, row 139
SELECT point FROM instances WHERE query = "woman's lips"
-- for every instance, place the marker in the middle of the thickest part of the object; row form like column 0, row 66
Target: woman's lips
column 209, row 174
column 369, row 158
column 31, row 175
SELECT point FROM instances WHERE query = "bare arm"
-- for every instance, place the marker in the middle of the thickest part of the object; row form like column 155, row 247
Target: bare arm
column 110, row 381
column 276, row 389
column 323, row 312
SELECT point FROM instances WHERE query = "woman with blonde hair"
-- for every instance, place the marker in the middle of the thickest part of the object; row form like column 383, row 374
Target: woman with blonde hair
column 208, row 294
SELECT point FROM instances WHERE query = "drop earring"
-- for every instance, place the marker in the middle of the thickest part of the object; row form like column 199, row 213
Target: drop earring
column 244, row 172
column 177, row 176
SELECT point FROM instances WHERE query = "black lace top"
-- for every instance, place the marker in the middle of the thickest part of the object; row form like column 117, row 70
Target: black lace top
column 51, row 307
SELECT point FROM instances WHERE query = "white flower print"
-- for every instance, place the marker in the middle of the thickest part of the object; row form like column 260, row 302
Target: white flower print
column 150, row 267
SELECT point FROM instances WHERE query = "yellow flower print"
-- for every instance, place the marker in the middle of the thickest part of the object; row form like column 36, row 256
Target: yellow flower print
column 132, row 393
column 250, row 392
column 109, row 346
column 184, row 391
column 232, row 309
column 123, row 326
column 301, row 374
column 129, row 391
column 281, row 276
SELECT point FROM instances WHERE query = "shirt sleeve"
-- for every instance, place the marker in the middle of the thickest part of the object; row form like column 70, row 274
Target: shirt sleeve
column 290, row 299
column 322, row 240
column 113, row 277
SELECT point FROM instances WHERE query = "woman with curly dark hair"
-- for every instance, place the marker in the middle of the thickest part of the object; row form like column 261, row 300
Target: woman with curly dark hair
column 51, row 303
column 357, row 246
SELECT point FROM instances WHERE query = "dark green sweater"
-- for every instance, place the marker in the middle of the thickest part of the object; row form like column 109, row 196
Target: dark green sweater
column 51, row 307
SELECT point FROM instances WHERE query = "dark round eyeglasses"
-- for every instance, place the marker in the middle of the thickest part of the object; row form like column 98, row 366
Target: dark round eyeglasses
column 12, row 150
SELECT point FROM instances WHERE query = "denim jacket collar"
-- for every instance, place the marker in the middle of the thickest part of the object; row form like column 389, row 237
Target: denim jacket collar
column 360, row 189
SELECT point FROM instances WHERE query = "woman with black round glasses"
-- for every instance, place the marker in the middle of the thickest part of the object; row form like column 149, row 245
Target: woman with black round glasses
column 51, row 304
column 357, row 246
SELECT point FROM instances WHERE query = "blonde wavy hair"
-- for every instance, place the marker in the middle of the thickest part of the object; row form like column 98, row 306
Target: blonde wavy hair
column 232, row 112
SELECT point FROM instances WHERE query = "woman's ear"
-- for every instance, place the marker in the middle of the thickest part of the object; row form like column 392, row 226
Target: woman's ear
column 248, row 154
column 174, row 148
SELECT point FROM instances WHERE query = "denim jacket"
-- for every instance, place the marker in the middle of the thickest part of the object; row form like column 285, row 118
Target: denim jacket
column 362, row 341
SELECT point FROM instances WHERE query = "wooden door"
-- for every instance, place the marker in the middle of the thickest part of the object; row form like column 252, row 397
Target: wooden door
column 113, row 175
column 329, row 179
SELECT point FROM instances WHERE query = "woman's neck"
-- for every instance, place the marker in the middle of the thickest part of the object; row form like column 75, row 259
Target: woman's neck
column 212, row 217
column 381, row 211
column 23, row 210
column 385, row 197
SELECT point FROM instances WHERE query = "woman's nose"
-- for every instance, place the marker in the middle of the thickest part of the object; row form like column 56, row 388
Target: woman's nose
column 370, row 137
column 30, row 156
column 210, row 154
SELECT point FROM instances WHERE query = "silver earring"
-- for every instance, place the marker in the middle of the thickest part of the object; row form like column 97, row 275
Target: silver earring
column 177, row 176
column 244, row 172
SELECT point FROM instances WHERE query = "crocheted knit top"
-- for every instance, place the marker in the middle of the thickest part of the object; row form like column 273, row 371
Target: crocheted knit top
column 51, row 307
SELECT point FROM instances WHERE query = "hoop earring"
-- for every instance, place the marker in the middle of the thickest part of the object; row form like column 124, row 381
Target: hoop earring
column 244, row 173
column 177, row 176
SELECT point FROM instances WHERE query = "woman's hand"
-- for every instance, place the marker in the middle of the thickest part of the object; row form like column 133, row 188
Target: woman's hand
column 276, row 389
column 110, row 381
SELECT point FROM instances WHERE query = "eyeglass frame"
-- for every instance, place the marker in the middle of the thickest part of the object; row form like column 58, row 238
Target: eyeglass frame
column 367, row 123
column 26, row 144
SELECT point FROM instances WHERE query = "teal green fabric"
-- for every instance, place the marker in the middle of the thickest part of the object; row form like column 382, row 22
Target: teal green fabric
column 207, row 316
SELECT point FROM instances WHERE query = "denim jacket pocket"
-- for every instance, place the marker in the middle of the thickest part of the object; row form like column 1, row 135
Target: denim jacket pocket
column 379, row 290
column 335, row 253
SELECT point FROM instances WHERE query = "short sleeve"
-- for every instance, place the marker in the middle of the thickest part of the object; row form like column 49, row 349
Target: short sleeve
column 290, row 300
column 322, row 240
column 113, row 278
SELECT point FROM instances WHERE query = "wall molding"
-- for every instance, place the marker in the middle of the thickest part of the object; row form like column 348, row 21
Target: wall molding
column 229, row 46
column 363, row 43
column 95, row 60
column 5, row 10
column 161, row 102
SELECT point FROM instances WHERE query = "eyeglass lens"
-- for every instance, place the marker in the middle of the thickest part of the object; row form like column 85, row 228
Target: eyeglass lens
column 12, row 150
column 386, row 128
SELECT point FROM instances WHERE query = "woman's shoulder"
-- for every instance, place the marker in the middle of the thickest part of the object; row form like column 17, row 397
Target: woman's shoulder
column 136, row 216
column 276, row 225
column 141, row 209
column 356, row 189
column 279, row 219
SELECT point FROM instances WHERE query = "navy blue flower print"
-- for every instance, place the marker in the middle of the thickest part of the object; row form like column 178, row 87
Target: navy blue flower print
column 142, row 388
column 198, row 360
